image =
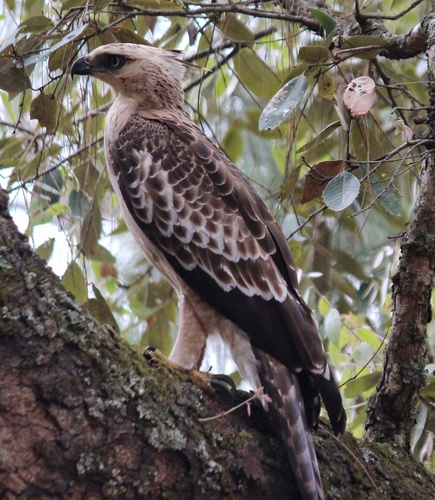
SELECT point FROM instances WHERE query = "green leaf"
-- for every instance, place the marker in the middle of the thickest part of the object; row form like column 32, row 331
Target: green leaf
column 46, row 249
column 74, row 281
column 35, row 24
column 140, row 309
column 60, row 58
column 255, row 74
column 88, row 177
column 387, row 199
column 324, row 306
column 313, row 54
column 391, row 203
column 123, row 35
column 368, row 336
column 368, row 143
column 332, row 325
column 362, row 41
column 327, row 87
column 349, row 263
column 323, row 134
column 253, row 117
column 362, row 384
column 298, row 70
column 158, row 4
column 99, row 5
column 234, row 29
column 327, row 22
column 40, row 218
column 44, row 108
column 49, row 186
column 12, row 79
column 341, row 191
column 283, row 103
column 78, row 203
column 340, row 282
column 69, row 37
column 232, row 144
column 91, row 230
column 288, row 186
column 101, row 254
column 429, row 389
column 68, row 4
column 318, row 178
column 100, row 310
column 57, row 209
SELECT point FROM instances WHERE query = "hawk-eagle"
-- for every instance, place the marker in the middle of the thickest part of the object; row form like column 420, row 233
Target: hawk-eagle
column 201, row 223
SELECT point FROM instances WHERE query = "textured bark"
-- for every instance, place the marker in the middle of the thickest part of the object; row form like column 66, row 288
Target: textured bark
column 391, row 414
column 81, row 416
column 410, row 44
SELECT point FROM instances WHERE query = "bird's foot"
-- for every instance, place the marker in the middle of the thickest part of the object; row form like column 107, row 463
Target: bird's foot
column 206, row 381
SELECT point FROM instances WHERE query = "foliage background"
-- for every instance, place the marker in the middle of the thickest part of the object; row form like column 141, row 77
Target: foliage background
column 52, row 160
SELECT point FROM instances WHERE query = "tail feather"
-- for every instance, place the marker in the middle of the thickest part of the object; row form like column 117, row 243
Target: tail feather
column 332, row 399
column 289, row 411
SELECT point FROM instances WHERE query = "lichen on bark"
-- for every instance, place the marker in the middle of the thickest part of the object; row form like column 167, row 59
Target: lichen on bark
column 81, row 415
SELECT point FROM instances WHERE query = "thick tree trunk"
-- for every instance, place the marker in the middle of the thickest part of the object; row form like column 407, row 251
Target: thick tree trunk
column 83, row 417
column 391, row 414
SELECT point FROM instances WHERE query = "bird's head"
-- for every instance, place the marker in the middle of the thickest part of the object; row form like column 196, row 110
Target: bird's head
column 151, row 76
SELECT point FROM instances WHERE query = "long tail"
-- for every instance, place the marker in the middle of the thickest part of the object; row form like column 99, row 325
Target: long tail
column 289, row 412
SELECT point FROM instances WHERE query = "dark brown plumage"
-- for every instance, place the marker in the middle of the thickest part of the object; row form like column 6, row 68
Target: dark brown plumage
column 202, row 224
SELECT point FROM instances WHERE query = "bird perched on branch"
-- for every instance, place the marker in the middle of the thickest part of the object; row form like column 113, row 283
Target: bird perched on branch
column 201, row 223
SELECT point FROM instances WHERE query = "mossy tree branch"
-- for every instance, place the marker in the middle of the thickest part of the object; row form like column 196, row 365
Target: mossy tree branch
column 391, row 415
column 82, row 415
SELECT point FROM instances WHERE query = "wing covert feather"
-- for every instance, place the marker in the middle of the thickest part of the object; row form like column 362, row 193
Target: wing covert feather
column 197, row 205
column 213, row 228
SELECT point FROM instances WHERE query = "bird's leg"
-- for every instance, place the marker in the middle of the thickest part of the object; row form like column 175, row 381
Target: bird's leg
column 188, row 351
column 206, row 381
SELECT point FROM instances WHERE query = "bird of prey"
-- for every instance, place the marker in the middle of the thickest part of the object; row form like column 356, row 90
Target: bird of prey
column 204, row 227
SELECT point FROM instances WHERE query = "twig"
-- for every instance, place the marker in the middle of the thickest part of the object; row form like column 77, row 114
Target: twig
column 391, row 17
column 311, row 216
column 259, row 393
column 354, row 457
column 367, row 364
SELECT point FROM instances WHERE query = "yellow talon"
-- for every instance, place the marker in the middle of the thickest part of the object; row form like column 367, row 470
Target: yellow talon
column 206, row 381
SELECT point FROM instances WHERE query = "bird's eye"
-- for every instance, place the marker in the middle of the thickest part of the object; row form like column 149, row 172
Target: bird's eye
column 116, row 62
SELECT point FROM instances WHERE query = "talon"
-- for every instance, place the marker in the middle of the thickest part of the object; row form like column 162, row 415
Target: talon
column 212, row 383
column 149, row 355
column 224, row 383
column 206, row 381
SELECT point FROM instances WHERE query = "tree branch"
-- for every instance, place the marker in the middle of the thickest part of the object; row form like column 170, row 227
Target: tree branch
column 391, row 414
column 81, row 415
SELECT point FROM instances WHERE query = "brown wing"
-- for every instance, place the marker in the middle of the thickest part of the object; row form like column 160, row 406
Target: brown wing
column 217, row 234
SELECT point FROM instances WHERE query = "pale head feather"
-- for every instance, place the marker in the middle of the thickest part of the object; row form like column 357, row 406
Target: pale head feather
column 151, row 76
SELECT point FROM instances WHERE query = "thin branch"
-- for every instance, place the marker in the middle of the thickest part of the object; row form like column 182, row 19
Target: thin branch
column 391, row 17
column 205, row 11
column 56, row 165
column 16, row 126
column 258, row 394
column 224, row 60
column 307, row 220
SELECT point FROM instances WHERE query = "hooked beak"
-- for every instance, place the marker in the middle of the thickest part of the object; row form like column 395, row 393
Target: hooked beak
column 81, row 67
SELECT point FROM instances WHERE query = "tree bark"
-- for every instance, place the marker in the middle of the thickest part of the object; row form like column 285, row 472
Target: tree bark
column 391, row 414
column 82, row 416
